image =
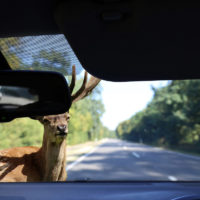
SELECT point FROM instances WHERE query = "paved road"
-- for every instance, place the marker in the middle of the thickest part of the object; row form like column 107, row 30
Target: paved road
column 121, row 160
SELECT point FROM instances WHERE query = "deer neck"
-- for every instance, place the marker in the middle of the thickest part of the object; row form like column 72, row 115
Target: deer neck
column 53, row 158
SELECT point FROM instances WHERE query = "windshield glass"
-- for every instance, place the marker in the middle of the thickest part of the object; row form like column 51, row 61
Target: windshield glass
column 45, row 52
column 147, row 130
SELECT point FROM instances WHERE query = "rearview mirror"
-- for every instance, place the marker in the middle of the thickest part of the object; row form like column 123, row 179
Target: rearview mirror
column 32, row 93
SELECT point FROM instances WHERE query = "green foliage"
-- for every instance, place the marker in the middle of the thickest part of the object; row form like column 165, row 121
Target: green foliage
column 7, row 47
column 20, row 132
column 50, row 61
column 172, row 117
column 85, row 123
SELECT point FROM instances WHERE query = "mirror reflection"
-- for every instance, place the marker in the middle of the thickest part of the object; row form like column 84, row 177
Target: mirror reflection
column 18, row 96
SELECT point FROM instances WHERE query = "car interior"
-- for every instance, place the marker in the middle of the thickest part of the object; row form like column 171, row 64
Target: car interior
column 114, row 40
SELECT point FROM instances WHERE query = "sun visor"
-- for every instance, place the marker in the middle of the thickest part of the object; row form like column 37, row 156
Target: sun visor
column 133, row 40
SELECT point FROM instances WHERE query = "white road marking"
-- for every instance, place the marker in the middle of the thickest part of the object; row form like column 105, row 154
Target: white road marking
column 124, row 147
column 184, row 197
column 70, row 166
column 136, row 155
column 172, row 178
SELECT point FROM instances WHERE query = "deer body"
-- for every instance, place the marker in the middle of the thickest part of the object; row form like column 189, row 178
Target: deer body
column 19, row 164
column 33, row 164
column 48, row 163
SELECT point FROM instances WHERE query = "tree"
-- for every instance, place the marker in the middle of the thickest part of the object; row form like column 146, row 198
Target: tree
column 50, row 61
column 85, row 114
column 20, row 132
column 9, row 47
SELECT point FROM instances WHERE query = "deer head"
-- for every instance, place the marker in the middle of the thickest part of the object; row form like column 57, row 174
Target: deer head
column 56, row 126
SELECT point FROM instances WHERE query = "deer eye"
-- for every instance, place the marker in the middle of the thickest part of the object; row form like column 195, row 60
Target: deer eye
column 68, row 117
column 46, row 121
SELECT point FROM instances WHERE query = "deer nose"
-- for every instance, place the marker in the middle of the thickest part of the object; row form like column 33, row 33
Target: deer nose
column 61, row 128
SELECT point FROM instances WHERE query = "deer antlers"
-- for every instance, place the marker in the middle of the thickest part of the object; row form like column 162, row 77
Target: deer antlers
column 86, row 87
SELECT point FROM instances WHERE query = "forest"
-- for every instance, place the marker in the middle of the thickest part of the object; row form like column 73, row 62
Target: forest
column 171, row 119
column 85, row 123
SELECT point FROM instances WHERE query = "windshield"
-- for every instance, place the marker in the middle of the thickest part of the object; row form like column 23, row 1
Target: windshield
column 138, row 131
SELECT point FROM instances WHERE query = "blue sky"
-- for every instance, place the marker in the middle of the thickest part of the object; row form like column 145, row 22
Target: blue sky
column 122, row 100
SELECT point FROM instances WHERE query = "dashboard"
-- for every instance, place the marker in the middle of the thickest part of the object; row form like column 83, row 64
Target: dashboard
column 101, row 191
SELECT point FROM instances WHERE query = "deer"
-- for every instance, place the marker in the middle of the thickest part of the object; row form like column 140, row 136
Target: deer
column 47, row 163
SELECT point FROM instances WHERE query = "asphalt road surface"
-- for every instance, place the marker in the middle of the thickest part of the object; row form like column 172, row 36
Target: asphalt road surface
column 120, row 160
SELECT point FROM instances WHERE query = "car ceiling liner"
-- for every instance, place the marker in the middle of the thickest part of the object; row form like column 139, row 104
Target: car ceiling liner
column 133, row 40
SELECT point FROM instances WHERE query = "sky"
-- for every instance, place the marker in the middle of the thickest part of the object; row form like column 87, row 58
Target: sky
column 123, row 100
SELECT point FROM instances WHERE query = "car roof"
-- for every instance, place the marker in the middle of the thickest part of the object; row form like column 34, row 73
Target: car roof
column 25, row 18
column 116, row 40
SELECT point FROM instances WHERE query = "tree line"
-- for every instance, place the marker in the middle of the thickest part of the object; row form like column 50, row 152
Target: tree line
column 171, row 119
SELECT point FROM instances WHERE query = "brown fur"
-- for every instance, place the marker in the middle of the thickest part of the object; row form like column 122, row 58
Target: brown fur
column 33, row 164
